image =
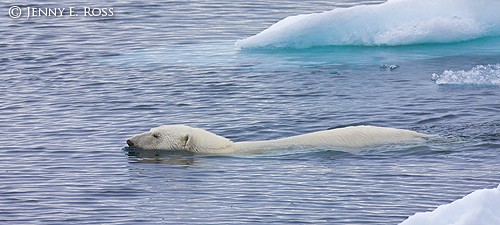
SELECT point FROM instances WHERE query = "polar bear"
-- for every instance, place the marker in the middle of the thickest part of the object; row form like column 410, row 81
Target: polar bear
column 185, row 138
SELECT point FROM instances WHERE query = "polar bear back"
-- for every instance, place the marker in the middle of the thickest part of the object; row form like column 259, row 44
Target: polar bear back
column 355, row 136
column 185, row 138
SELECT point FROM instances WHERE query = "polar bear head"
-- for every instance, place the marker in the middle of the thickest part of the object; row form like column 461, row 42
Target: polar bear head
column 180, row 137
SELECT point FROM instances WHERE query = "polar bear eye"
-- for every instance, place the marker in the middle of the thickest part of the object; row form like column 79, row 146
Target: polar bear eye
column 156, row 135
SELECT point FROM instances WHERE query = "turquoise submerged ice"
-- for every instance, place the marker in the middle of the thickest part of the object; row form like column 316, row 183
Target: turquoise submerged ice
column 396, row 22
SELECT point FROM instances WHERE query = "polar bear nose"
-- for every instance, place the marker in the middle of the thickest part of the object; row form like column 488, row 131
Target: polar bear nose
column 130, row 143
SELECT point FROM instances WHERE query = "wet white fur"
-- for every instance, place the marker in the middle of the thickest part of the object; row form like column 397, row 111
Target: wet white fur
column 181, row 137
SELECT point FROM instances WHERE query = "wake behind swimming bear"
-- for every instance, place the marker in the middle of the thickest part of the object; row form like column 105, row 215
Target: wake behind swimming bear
column 185, row 138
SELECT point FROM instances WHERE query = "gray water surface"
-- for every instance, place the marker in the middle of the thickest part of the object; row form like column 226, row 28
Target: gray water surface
column 74, row 89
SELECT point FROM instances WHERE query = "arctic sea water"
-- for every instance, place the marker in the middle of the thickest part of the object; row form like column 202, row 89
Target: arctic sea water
column 75, row 88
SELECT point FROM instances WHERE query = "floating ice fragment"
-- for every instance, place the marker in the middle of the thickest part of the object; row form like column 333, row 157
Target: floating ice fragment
column 391, row 67
column 395, row 22
column 478, row 75
column 481, row 207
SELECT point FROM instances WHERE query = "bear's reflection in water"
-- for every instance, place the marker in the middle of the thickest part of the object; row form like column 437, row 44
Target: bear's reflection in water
column 160, row 157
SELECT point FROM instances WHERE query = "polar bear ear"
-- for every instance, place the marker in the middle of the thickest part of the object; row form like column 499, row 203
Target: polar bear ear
column 186, row 140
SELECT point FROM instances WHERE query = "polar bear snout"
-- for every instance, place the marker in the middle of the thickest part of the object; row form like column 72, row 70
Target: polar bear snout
column 130, row 143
